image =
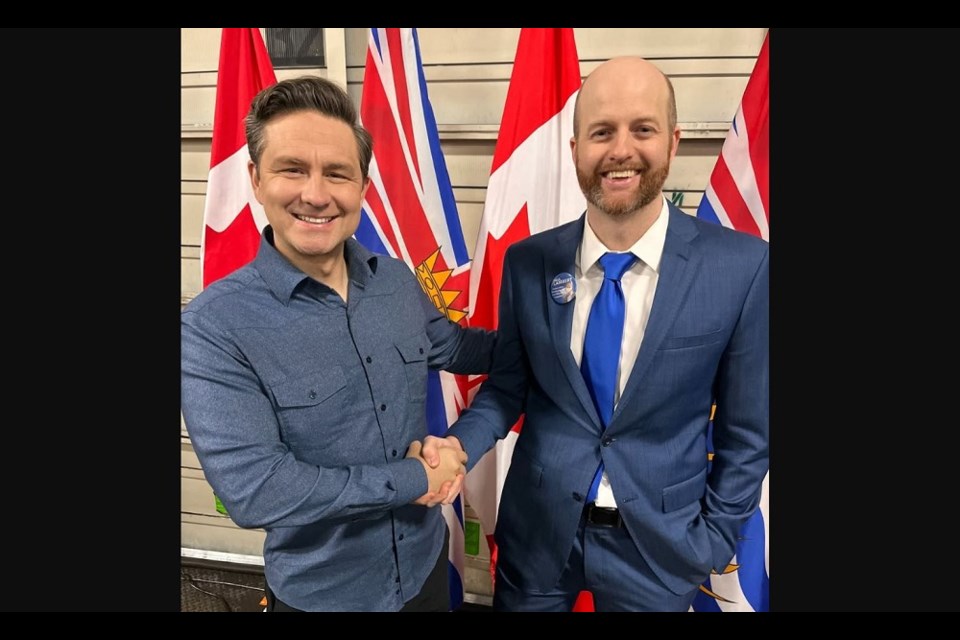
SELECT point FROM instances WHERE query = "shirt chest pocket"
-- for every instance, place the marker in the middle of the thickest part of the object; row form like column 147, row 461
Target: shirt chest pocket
column 413, row 352
column 311, row 402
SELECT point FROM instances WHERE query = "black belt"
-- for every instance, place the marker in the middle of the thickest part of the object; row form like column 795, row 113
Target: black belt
column 603, row 516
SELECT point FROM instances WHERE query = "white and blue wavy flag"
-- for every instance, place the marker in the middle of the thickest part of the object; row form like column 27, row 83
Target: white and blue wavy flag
column 738, row 197
column 410, row 213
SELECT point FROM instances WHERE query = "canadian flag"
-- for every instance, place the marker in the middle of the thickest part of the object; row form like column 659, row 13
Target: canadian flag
column 232, row 217
column 532, row 187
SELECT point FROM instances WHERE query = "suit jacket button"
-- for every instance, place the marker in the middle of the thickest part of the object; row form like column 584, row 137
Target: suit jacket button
column 577, row 497
column 607, row 441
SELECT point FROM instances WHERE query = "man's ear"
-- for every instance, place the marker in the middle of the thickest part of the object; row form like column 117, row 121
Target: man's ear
column 676, row 142
column 254, row 179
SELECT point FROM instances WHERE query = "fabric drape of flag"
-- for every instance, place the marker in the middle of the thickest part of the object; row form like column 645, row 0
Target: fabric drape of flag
column 738, row 197
column 532, row 187
column 232, row 217
column 410, row 213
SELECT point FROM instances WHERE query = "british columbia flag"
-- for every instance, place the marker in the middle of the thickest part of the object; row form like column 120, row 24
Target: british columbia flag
column 738, row 197
column 410, row 213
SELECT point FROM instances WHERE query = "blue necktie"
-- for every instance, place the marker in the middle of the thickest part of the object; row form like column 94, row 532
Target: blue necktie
column 601, row 344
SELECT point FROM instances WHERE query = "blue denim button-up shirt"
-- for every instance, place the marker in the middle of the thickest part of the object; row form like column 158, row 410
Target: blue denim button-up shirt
column 301, row 408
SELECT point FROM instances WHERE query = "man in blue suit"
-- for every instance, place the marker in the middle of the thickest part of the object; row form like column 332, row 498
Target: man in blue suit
column 614, row 494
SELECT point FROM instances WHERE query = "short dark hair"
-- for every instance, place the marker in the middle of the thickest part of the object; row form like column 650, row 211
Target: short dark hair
column 306, row 93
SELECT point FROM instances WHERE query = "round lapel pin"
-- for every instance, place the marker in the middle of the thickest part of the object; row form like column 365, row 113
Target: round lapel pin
column 563, row 288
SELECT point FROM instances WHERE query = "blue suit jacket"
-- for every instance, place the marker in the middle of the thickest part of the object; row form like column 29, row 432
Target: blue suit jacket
column 707, row 339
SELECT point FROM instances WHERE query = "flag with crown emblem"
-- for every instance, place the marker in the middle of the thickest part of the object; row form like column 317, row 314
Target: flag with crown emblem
column 738, row 197
column 410, row 214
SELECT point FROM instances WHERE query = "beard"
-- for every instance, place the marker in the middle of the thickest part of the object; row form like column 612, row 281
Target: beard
column 651, row 182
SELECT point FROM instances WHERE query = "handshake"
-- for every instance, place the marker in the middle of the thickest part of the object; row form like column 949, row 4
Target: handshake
column 443, row 459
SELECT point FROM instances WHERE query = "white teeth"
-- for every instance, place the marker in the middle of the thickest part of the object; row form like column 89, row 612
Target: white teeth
column 313, row 220
column 621, row 174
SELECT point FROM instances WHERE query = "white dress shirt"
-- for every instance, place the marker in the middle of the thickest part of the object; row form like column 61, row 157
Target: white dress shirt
column 639, row 284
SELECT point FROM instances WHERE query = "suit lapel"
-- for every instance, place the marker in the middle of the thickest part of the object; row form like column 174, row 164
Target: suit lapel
column 560, row 316
column 678, row 265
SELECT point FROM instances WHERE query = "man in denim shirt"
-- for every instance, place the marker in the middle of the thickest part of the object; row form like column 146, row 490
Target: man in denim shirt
column 303, row 377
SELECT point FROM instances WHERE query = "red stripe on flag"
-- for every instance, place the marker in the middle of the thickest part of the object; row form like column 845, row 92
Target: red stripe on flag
column 458, row 283
column 732, row 200
column 756, row 113
column 493, row 558
column 536, row 94
column 378, row 211
column 397, row 181
column 244, row 70
column 403, row 99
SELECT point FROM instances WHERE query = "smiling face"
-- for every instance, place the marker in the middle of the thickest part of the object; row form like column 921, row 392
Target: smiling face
column 310, row 185
column 624, row 141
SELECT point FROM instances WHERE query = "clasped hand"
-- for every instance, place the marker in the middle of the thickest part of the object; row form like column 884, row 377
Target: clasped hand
column 443, row 459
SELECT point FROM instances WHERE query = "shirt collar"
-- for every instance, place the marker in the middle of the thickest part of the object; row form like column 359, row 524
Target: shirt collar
column 361, row 262
column 649, row 248
column 283, row 278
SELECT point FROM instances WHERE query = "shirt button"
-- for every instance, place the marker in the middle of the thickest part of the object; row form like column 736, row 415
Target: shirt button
column 383, row 407
column 369, row 359
column 398, row 591
column 400, row 537
column 312, row 394
column 397, row 579
column 394, row 453
column 421, row 349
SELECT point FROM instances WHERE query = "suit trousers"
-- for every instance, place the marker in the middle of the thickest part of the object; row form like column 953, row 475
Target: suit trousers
column 603, row 560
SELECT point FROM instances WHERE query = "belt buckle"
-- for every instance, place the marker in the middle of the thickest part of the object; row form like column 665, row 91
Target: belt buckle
column 603, row 516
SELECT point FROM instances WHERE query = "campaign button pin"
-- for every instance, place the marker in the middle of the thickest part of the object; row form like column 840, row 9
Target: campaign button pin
column 563, row 288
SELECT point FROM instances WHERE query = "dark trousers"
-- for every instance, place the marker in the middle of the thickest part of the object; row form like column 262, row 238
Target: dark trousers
column 433, row 596
column 604, row 560
column 435, row 593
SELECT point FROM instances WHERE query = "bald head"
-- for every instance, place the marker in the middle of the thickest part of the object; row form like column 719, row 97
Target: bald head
column 632, row 73
column 624, row 138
